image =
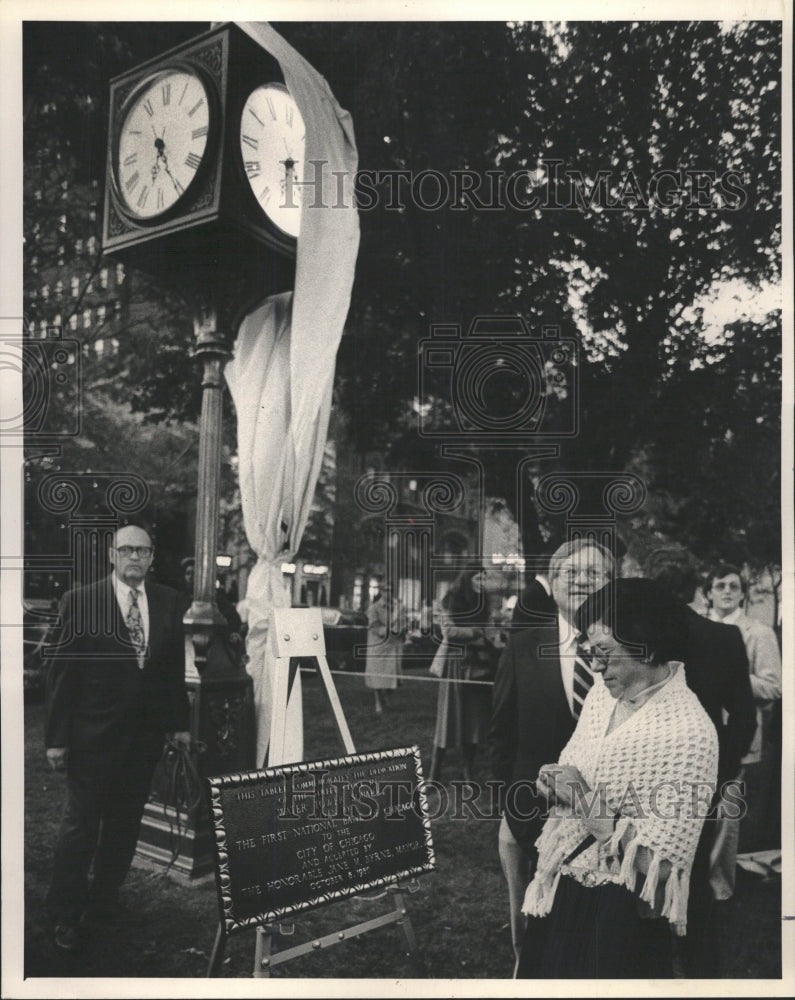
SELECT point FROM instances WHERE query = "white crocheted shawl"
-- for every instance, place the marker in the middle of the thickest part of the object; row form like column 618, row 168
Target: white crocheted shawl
column 659, row 769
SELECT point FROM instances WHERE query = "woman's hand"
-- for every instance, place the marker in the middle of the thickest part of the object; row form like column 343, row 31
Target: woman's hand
column 562, row 783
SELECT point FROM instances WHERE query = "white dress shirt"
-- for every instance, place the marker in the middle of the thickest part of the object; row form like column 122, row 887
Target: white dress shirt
column 123, row 597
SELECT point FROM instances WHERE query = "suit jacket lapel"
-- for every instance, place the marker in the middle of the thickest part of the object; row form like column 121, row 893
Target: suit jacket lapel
column 553, row 677
column 157, row 619
column 117, row 615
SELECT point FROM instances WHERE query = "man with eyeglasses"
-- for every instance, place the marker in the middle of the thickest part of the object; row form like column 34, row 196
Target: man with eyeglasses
column 542, row 680
column 726, row 595
column 115, row 689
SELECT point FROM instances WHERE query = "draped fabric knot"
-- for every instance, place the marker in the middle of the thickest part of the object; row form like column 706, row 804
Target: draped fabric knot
column 583, row 675
column 135, row 625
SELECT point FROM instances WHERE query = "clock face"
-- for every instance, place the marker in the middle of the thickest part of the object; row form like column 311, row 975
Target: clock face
column 162, row 142
column 272, row 138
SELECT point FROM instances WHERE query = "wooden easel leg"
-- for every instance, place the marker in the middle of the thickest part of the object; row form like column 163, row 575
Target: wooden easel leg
column 217, row 956
column 408, row 933
column 262, row 952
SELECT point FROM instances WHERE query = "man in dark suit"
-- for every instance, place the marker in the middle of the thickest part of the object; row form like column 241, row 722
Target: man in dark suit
column 535, row 606
column 541, row 681
column 115, row 688
column 716, row 668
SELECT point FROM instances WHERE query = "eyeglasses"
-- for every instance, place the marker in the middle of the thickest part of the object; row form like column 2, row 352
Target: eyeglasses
column 142, row 551
column 727, row 586
column 592, row 575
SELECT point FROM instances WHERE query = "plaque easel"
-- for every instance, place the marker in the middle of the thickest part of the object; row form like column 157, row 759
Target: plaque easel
column 298, row 632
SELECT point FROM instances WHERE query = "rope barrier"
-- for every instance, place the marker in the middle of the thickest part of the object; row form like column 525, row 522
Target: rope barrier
column 401, row 676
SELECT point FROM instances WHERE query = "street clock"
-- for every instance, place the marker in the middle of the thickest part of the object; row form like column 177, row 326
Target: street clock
column 206, row 162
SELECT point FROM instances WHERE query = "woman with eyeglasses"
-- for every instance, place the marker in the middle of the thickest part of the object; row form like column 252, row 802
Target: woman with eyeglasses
column 628, row 797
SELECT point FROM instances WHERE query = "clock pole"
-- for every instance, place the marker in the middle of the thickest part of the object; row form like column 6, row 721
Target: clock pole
column 181, row 203
column 220, row 689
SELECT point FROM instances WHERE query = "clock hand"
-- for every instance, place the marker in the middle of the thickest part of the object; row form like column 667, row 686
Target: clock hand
column 173, row 178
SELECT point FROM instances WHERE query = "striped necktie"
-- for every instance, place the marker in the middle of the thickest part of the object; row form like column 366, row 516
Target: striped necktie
column 135, row 624
column 583, row 678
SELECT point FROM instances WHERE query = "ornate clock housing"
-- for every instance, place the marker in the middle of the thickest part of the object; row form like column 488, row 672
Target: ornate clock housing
column 178, row 197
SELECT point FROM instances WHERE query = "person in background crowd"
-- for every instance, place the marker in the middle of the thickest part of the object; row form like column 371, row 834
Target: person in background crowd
column 113, row 694
column 386, row 632
column 726, row 593
column 614, row 857
column 543, row 677
column 716, row 668
column 469, row 653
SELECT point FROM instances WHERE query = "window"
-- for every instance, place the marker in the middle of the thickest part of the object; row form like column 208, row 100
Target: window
column 56, row 320
column 119, row 274
column 45, row 292
column 75, row 286
column 99, row 347
column 62, row 224
column 91, row 244
column 78, row 247
column 73, row 321
column 103, row 278
column 92, row 212
column 100, row 314
column 59, row 288
column 86, row 319
column 43, row 328
column 114, row 343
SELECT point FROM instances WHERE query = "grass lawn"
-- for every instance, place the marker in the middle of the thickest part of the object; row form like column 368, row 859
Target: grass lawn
column 459, row 912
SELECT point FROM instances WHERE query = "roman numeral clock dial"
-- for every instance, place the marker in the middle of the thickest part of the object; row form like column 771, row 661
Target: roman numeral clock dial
column 272, row 142
column 162, row 142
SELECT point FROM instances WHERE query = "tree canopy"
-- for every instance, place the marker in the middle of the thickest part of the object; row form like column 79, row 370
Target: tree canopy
column 603, row 178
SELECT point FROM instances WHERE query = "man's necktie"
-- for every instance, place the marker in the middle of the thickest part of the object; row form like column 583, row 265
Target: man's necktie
column 583, row 678
column 135, row 624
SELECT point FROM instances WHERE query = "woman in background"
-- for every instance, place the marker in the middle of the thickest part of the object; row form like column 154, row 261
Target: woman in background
column 386, row 633
column 469, row 653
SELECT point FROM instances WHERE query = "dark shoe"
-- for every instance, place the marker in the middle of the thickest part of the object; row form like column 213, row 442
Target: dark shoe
column 67, row 937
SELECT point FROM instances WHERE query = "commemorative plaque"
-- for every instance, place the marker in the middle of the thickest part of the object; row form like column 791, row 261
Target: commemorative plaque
column 299, row 836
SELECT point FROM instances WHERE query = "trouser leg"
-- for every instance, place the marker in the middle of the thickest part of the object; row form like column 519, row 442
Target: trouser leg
column 77, row 841
column 518, row 870
column 469, row 750
column 723, row 861
column 437, row 759
column 121, row 818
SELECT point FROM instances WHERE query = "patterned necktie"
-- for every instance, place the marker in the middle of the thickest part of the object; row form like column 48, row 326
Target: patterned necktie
column 583, row 678
column 135, row 624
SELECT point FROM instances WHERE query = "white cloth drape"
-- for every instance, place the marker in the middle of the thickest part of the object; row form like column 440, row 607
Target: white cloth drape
column 282, row 372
